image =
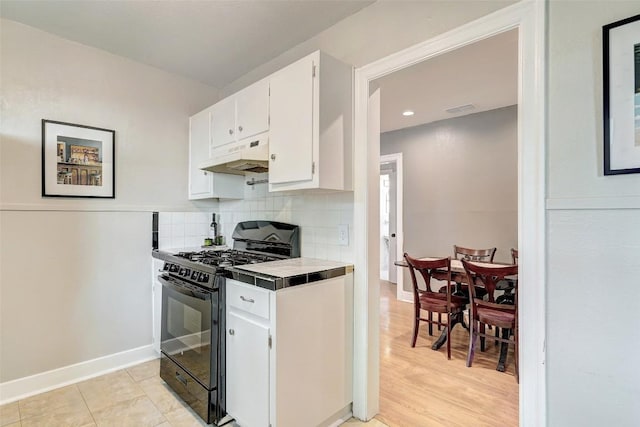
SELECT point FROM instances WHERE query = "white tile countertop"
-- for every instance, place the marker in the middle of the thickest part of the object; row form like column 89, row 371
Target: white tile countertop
column 293, row 267
column 282, row 274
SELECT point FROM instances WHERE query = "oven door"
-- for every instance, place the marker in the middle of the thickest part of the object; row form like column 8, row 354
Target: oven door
column 189, row 319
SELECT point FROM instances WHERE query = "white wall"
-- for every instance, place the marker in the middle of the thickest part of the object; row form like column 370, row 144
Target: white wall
column 75, row 274
column 460, row 183
column 593, row 234
column 75, row 286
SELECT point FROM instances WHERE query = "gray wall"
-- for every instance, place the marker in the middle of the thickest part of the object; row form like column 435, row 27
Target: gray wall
column 593, row 285
column 460, row 183
column 75, row 274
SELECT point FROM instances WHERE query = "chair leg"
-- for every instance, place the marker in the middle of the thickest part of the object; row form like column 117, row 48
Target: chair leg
column 439, row 321
column 482, row 330
column 472, row 341
column 416, row 324
column 504, row 350
column 430, row 317
column 497, row 335
column 448, row 334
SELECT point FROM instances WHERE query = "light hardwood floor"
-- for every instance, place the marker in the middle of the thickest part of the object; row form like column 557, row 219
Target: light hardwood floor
column 420, row 387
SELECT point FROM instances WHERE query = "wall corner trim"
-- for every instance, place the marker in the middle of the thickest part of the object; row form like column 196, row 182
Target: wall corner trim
column 21, row 388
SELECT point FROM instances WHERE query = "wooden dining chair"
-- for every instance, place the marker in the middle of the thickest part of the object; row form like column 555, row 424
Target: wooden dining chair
column 483, row 255
column 504, row 316
column 507, row 286
column 434, row 302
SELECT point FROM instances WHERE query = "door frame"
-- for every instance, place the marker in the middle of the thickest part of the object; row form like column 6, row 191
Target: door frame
column 396, row 158
column 529, row 17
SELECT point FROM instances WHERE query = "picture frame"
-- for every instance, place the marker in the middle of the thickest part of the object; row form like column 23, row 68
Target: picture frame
column 621, row 112
column 77, row 160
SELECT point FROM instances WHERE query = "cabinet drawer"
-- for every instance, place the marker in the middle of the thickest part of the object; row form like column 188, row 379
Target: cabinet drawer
column 248, row 298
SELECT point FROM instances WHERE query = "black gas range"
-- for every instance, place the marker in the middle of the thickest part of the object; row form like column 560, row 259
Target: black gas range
column 193, row 319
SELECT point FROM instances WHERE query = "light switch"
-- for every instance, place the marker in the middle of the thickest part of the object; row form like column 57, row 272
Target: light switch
column 343, row 235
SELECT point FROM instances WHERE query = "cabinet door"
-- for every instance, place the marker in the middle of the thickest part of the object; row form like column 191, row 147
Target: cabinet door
column 291, row 127
column 200, row 184
column 252, row 110
column 223, row 118
column 247, row 371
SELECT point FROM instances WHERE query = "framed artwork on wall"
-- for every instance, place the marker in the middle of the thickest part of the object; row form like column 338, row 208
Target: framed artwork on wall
column 621, row 75
column 77, row 160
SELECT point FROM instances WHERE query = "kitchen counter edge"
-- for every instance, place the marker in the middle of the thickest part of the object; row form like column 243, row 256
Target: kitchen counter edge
column 275, row 283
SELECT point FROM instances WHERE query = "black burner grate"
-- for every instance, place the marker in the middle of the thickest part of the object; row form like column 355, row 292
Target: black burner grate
column 226, row 258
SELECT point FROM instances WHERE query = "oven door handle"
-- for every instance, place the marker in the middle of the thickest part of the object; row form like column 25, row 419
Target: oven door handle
column 170, row 284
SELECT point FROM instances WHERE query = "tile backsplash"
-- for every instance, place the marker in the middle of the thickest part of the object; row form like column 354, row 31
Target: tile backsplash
column 183, row 229
column 317, row 214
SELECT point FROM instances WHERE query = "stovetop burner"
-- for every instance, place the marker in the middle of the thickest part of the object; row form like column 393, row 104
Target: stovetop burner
column 226, row 258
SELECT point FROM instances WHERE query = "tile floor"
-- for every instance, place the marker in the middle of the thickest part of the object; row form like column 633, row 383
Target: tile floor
column 133, row 397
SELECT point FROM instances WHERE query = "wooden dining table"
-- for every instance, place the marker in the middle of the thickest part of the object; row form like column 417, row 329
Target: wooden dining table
column 459, row 276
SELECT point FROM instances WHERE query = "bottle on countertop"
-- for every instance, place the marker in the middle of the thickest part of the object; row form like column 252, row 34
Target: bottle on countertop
column 213, row 228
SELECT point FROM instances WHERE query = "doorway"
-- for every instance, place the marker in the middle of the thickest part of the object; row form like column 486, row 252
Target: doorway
column 392, row 222
column 461, row 178
column 529, row 19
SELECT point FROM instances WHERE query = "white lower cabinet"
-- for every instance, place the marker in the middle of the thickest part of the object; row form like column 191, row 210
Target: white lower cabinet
column 248, row 369
column 289, row 353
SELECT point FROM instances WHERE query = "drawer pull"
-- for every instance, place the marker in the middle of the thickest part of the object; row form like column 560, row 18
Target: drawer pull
column 245, row 299
column 232, row 332
column 180, row 378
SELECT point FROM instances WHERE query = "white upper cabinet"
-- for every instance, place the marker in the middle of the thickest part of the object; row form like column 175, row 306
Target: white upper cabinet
column 252, row 110
column 310, row 131
column 291, row 131
column 203, row 184
column 241, row 115
column 200, row 183
column 223, row 122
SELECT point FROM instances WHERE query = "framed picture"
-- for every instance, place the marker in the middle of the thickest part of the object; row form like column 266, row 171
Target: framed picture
column 621, row 54
column 77, row 160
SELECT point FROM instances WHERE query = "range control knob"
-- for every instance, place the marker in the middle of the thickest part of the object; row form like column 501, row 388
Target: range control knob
column 204, row 278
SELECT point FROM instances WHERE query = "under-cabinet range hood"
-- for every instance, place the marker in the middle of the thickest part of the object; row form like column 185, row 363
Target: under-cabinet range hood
column 238, row 158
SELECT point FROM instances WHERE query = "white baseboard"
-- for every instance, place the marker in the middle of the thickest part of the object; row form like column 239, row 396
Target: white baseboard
column 340, row 417
column 21, row 388
column 406, row 296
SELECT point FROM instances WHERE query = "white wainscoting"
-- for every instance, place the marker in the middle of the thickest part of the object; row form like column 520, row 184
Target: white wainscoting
column 35, row 384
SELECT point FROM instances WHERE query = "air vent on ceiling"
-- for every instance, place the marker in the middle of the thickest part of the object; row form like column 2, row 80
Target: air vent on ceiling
column 460, row 109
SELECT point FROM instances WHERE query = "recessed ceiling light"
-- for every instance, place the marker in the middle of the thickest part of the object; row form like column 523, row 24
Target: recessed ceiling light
column 408, row 113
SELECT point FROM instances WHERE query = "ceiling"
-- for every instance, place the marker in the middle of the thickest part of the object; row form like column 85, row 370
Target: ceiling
column 484, row 74
column 214, row 42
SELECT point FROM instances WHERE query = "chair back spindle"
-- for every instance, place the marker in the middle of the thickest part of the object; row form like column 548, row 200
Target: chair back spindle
column 483, row 255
